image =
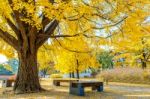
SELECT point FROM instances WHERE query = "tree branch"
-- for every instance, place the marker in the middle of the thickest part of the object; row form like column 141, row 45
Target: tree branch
column 57, row 36
column 71, row 49
column 17, row 19
column 14, row 28
column 50, row 27
column 75, row 35
column 49, row 31
column 9, row 39
column 107, row 26
column 45, row 22
column 20, row 26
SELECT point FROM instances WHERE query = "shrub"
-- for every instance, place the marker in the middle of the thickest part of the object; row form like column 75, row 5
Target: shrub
column 146, row 75
column 131, row 75
column 56, row 76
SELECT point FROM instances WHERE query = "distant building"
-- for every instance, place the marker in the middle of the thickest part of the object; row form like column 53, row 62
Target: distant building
column 4, row 73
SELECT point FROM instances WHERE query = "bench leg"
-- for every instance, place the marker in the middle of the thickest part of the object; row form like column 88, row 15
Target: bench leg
column 56, row 83
column 94, row 88
column 9, row 83
column 4, row 83
column 79, row 90
column 100, row 89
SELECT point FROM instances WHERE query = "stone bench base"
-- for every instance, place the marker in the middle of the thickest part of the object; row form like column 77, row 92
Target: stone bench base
column 78, row 88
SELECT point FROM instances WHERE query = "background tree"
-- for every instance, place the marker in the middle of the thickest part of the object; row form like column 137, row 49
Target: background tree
column 14, row 64
column 106, row 60
column 7, row 50
column 73, row 58
column 46, row 60
column 134, row 45
column 70, row 62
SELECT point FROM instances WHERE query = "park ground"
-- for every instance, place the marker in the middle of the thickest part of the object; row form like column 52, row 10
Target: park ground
column 111, row 91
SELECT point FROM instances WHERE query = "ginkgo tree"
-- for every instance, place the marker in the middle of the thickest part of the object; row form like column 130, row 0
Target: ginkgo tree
column 7, row 50
column 74, row 55
column 27, row 24
column 71, row 62
column 45, row 60
column 134, row 49
column 134, row 43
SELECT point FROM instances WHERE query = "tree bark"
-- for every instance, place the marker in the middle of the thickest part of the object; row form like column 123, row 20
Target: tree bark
column 27, row 78
column 73, row 75
column 77, row 70
column 27, row 43
column 144, row 65
column 70, row 75
column 78, row 76
column 44, row 72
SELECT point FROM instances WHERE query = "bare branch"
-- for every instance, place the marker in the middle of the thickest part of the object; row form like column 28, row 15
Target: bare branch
column 73, row 19
column 88, row 36
column 107, row 26
column 57, row 36
column 71, row 49
column 70, row 36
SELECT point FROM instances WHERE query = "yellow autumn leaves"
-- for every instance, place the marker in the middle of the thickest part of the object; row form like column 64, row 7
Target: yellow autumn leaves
column 79, row 17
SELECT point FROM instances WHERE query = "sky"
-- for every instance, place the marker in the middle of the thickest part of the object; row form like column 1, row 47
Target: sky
column 2, row 58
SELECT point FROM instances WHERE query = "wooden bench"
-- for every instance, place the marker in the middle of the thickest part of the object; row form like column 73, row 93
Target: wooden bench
column 77, row 88
column 56, row 82
column 6, row 82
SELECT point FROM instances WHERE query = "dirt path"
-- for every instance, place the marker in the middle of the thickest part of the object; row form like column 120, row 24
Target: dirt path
column 130, row 89
column 111, row 91
column 127, row 92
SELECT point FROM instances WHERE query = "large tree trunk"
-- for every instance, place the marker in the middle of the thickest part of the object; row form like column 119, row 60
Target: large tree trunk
column 26, row 42
column 27, row 78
